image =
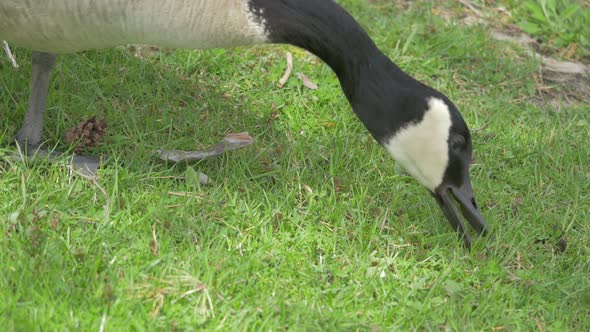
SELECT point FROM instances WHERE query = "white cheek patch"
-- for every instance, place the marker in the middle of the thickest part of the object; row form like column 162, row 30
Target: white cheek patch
column 422, row 148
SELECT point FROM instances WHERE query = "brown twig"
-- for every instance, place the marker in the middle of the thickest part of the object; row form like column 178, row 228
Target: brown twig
column 288, row 71
column 471, row 7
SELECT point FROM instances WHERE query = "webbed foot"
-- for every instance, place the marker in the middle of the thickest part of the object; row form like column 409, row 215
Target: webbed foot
column 84, row 165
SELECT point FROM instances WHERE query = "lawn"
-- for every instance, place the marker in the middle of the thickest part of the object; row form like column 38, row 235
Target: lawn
column 313, row 227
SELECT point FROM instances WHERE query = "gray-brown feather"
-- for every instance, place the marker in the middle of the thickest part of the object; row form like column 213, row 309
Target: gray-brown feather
column 62, row 26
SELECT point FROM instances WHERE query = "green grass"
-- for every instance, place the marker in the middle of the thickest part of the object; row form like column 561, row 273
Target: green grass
column 313, row 227
column 557, row 23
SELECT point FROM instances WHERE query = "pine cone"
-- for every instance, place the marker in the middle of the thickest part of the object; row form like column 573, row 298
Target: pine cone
column 86, row 134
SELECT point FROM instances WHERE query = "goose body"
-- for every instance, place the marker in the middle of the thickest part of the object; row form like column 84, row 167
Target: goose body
column 66, row 26
column 419, row 126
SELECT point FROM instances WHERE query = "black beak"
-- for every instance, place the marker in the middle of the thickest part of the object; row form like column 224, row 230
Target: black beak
column 448, row 197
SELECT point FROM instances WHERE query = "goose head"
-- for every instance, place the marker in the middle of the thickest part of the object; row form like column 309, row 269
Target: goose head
column 435, row 148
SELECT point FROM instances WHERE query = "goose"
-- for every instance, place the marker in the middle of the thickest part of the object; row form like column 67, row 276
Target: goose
column 416, row 124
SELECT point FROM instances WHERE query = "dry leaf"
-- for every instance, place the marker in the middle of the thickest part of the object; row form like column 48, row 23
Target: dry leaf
column 288, row 71
column 55, row 220
column 307, row 82
column 154, row 247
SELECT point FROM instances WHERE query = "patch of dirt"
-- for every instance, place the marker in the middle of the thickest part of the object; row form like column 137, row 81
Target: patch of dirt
column 558, row 82
column 557, row 88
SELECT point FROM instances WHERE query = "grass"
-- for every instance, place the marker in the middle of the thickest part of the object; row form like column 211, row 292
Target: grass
column 312, row 228
column 558, row 24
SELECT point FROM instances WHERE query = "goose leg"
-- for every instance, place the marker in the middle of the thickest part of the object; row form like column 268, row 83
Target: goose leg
column 30, row 135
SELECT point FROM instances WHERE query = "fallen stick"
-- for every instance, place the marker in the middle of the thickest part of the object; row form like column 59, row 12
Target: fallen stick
column 288, row 71
column 9, row 54
column 228, row 143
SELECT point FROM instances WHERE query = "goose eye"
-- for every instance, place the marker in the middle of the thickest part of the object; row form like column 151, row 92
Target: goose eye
column 457, row 142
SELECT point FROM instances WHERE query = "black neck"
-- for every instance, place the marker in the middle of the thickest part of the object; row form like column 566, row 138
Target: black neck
column 319, row 26
column 366, row 75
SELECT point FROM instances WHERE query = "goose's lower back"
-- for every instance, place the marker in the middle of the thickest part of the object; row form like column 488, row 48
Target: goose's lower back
column 62, row 26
